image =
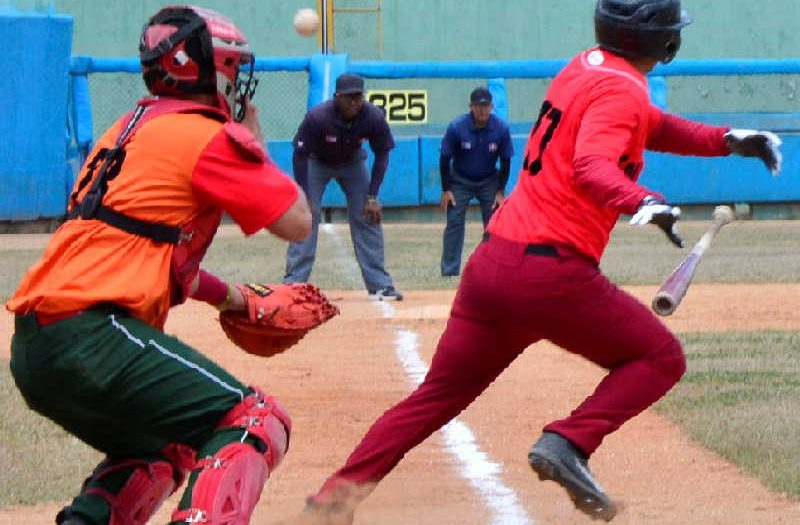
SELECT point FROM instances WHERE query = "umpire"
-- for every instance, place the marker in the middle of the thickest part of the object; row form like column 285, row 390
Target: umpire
column 473, row 142
column 328, row 146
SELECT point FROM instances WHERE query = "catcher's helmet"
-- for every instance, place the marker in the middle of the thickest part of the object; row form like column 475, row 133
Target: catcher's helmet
column 189, row 49
column 640, row 28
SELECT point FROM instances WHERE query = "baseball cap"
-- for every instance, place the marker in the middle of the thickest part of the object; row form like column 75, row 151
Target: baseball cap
column 480, row 95
column 348, row 83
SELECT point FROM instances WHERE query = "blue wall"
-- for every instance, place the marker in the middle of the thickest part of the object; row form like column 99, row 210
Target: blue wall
column 413, row 175
column 36, row 175
column 34, row 66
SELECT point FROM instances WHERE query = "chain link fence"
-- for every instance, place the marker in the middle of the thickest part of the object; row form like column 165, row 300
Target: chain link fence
column 281, row 99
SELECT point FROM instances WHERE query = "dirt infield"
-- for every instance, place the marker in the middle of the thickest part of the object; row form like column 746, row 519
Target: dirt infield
column 348, row 372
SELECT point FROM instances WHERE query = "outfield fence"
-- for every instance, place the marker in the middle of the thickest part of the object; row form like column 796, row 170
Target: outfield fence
column 39, row 159
column 288, row 86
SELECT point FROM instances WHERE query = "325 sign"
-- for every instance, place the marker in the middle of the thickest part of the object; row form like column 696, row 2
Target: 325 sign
column 408, row 106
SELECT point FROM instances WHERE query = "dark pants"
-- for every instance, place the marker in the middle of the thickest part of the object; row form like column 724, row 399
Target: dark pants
column 464, row 190
column 506, row 301
column 123, row 387
column 367, row 237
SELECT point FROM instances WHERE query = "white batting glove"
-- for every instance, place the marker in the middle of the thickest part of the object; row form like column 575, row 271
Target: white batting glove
column 656, row 211
column 762, row 144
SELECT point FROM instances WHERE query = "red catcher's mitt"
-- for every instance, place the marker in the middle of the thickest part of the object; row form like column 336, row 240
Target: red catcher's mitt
column 277, row 316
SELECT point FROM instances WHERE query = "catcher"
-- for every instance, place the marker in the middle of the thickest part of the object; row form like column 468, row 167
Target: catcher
column 89, row 351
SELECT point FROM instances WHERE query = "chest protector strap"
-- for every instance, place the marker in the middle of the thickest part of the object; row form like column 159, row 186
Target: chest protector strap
column 110, row 164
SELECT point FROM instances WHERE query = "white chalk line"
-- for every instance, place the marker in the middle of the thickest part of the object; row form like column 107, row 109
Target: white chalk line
column 474, row 464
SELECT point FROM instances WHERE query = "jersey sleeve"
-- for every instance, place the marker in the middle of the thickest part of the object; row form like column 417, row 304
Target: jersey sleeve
column 254, row 192
column 507, row 148
column 449, row 142
column 674, row 134
column 381, row 138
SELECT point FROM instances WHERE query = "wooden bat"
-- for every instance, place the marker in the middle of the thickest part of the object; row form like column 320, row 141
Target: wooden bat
column 673, row 289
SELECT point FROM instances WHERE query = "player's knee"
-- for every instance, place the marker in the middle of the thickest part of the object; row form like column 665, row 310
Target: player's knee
column 147, row 486
column 670, row 360
column 264, row 418
column 230, row 482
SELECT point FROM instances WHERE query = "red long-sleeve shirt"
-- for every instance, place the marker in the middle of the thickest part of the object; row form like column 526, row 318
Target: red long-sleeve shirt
column 586, row 151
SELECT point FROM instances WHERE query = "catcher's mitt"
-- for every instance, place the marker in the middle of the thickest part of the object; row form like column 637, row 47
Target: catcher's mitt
column 277, row 316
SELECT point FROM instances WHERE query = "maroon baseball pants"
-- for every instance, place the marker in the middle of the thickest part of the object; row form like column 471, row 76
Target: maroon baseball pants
column 510, row 296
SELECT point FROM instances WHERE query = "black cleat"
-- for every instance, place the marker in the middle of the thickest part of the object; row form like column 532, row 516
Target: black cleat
column 555, row 458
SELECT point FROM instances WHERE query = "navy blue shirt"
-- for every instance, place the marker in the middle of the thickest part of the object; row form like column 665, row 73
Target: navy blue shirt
column 335, row 142
column 475, row 150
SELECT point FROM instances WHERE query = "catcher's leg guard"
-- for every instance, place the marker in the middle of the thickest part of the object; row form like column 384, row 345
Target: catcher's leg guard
column 145, row 486
column 229, row 483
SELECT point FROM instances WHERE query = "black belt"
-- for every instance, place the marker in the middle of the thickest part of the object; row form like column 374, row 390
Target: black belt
column 545, row 250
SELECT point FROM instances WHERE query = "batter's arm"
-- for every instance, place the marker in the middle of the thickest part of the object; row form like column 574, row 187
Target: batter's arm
column 673, row 134
column 604, row 181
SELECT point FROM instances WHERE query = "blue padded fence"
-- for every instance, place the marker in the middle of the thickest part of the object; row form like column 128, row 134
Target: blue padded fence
column 413, row 176
column 37, row 164
column 34, row 66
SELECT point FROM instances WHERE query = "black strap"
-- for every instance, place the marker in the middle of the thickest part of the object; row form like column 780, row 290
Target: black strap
column 91, row 207
column 172, row 40
column 155, row 231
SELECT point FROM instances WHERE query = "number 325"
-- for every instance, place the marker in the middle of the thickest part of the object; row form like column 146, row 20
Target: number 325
column 402, row 107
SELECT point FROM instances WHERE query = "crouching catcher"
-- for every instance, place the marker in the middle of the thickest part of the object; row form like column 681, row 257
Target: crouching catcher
column 89, row 351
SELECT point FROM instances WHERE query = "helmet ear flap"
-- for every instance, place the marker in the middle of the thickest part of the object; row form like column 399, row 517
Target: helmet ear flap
column 175, row 52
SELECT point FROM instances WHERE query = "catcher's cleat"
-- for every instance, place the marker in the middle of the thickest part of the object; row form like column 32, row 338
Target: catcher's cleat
column 385, row 294
column 68, row 518
column 555, row 458
column 334, row 513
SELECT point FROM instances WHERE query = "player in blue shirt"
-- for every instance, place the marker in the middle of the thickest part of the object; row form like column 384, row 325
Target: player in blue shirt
column 473, row 142
column 328, row 146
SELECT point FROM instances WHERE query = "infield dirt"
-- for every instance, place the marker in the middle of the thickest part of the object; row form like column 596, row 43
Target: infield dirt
column 345, row 374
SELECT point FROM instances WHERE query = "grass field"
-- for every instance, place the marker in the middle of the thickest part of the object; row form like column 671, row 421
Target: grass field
column 735, row 399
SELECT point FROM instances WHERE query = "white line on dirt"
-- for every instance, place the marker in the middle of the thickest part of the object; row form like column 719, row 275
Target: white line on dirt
column 475, row 465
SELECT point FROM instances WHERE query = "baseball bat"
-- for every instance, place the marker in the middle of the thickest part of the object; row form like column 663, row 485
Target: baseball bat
column 671, row 292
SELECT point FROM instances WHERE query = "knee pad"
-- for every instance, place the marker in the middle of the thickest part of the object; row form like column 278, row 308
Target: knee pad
column 229, row 484
column 147, row 486
column 227, row 488
column 261, row 416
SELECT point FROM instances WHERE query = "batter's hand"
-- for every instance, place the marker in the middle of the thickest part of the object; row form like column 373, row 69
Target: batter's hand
column 448, row 199
column 762, row 144
column 656, row 211
column 373, row 213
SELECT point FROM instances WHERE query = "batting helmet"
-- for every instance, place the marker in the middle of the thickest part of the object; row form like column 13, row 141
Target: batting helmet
column 640, row 28
column 189, row 49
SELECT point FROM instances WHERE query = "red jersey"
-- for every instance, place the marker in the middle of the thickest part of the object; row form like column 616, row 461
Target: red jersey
column 179, row 166
column 597, row 107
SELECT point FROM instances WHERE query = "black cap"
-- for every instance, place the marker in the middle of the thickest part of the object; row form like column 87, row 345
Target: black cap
column 480, row 95
column 348, row 83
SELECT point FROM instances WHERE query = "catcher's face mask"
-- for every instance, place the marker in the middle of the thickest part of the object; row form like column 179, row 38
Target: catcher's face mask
column 246, row 85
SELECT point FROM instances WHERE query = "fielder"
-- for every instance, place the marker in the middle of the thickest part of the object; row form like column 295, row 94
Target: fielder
column 88, row 350
column 536, row 274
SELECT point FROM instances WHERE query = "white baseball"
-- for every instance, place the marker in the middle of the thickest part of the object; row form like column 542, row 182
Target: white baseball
column 723, row 214
column 306, row 21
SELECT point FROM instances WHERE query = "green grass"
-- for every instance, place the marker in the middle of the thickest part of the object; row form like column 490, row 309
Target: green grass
column 41, row 462
column 753, row 252
column 740, row 397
